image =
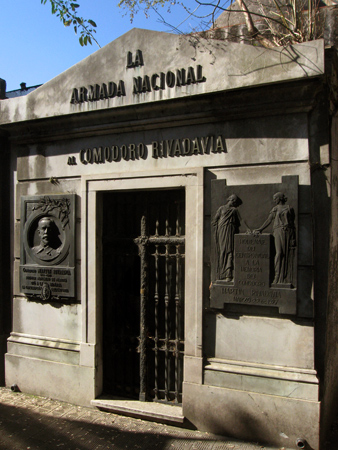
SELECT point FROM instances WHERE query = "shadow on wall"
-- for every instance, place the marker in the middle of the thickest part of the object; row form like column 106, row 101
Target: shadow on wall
column 250, row 428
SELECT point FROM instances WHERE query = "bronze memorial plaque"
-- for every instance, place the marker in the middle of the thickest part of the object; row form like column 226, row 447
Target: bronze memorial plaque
column 47, row 266
column 249, row 264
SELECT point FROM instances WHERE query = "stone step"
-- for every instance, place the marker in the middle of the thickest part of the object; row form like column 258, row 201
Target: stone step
column 157, row 412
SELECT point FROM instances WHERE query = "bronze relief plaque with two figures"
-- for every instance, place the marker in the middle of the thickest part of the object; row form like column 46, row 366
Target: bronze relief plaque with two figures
column 254, row 245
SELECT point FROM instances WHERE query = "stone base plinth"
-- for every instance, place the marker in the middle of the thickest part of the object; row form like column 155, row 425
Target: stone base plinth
column 57, row 380
column 252, row 416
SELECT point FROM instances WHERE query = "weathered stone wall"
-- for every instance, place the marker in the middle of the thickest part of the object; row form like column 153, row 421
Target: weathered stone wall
column 330, row 387
column 5, row 265
column 231, row 25
column 45, row 336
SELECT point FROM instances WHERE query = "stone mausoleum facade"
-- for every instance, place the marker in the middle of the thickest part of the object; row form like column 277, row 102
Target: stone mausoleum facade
column 166, row 214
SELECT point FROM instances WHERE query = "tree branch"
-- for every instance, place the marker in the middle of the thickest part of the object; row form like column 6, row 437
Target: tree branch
column 67, row 12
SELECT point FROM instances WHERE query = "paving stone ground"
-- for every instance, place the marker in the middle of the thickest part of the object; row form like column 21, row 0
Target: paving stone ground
column 28, row 422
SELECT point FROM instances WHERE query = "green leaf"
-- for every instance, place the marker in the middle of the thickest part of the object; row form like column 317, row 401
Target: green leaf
column 66, row 11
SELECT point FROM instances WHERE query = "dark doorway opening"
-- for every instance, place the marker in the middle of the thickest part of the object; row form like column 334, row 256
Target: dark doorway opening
column 143, row 342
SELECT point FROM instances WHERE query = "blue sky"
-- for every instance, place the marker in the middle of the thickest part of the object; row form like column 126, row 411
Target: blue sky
column 36, row 47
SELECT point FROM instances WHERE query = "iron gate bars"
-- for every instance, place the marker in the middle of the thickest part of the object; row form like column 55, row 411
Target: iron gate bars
column 169, row 345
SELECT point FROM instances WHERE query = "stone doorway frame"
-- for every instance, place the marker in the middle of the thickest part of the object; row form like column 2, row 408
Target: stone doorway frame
column 91, row 260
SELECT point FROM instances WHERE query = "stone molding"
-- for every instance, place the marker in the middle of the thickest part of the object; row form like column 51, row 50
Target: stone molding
column 43, row 341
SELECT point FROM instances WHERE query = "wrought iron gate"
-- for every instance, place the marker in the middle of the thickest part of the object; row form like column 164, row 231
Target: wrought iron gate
column 142, row 339
column 161, row 340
